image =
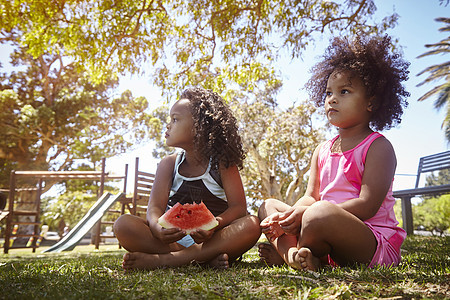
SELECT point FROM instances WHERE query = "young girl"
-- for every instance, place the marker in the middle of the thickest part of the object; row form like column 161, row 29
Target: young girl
column 346, row 215
column 206, row 170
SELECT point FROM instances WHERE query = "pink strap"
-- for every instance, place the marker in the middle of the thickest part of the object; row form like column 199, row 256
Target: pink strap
column 370, row 138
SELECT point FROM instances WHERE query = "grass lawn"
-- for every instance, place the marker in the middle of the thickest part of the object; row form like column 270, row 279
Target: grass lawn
column 88, row 274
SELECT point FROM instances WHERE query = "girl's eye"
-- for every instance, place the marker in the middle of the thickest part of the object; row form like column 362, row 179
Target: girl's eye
column 328, row 94
column 344, row 92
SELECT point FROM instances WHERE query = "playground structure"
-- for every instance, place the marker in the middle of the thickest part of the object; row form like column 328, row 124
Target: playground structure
column 17, row 215
column 94, row 215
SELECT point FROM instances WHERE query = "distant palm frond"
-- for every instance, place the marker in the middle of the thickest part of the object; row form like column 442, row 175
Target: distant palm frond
column 439, row 72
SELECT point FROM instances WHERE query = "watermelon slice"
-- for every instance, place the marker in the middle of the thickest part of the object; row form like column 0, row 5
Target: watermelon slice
column 188, row 217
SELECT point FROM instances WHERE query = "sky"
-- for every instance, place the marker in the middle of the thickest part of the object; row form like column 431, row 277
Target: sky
column 419, row 133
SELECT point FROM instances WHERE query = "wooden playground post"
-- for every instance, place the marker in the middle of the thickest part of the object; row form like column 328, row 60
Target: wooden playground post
column 12, row 189
column 37, row 218
column 98, row 226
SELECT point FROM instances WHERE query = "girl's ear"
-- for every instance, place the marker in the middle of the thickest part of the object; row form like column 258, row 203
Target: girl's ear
column 372, row 105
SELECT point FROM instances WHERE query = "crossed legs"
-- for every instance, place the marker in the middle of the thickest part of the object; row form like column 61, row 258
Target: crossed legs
column 147, row 252
column 326, row 229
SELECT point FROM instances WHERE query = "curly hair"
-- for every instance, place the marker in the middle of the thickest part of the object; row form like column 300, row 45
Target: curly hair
column 381, row 72
column 215, row 128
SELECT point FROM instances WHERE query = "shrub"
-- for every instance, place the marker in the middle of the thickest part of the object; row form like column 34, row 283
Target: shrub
column 433, row 214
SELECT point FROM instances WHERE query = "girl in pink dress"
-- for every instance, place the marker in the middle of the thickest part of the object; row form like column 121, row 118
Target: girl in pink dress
column 346, row 216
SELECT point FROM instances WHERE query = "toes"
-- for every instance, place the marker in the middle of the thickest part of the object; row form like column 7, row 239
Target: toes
column 264, row 250
column 127, row 261
column 220, row 262
column 224, row 261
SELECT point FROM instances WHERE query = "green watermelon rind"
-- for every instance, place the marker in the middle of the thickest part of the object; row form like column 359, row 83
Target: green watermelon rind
column 208, row 226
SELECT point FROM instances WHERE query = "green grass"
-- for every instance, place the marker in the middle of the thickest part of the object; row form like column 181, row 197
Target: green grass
column 88, row 274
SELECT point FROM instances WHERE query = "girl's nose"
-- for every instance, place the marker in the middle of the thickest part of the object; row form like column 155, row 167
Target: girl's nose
column 332, row 99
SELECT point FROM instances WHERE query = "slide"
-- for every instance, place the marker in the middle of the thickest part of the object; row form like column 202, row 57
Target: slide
column 71, row 239
column 3, row 214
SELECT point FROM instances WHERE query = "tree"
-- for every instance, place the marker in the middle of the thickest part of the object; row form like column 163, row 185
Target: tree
column 434, row 214
column 280, row 143
column 185, row 42
column 225, row 45
column 439, row 72
column 51, row 114
column 443, row 177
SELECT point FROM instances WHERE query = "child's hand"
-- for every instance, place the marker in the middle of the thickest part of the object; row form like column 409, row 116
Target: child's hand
column 271, row 228
column 290, row 221
column 169, row 235
column 201, row 236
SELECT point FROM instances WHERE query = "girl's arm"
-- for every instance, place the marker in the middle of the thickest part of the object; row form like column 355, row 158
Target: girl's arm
column 290, row 220
column 237, row 206
column 313, row 187
column 159, row 197
column 377, row 178
column 234, row 190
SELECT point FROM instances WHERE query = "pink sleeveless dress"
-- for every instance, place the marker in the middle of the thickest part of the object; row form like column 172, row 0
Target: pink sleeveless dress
column 340, row 180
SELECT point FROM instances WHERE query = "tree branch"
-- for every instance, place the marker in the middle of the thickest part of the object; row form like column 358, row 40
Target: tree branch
column 351, row 18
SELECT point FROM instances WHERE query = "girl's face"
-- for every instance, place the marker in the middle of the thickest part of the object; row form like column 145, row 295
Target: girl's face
column 180, row 131
column 346, row 103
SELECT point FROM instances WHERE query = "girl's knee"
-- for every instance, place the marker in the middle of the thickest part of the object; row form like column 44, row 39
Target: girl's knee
column 317, row 215
column 272, row 203
column 253, row 223
column 252, row 229
column 247, row 226
column 320, row 208
column 118, row 224
column 249, row 222
column 122, row 224
column 268, row 205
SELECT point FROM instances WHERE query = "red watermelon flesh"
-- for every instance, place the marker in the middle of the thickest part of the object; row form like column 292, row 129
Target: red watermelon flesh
column 188, row 217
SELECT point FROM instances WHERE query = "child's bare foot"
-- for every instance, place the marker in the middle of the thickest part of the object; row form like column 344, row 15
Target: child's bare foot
column 220, row 262
column 305, row 260
column 140, row 261
column 269, row 255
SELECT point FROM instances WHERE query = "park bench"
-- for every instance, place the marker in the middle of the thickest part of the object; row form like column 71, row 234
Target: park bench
column 430, row 163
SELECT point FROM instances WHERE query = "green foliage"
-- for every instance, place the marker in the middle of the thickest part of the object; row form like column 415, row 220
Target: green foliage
column 443, row 177
column 87, row 274
column 280, row 144
column 439, row 72
column 60, row 107
column 279, row 141
column 69, row 207
column 72, row 200
column 185, row 42
column 51, row 114
column 433, row 214
column 398, row 212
